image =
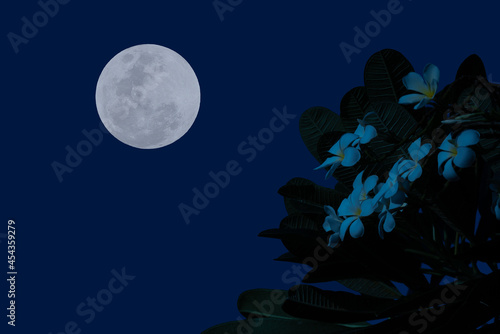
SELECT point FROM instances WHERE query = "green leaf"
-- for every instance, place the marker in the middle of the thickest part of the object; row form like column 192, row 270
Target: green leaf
column 384, row 73
column 476, row 98
column 392, row 119
column 299, row 233
column 274, row 326
column 471, row 66
column 309, row 195
column 372, row 288
column 263, row 303
column 353, row 106
column 314, row 123
column 333, row 306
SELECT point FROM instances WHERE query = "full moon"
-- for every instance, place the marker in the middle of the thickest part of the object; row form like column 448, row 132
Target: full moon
column 148, row 96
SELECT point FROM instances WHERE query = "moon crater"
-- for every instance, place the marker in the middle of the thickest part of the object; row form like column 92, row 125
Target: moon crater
column 148, row 96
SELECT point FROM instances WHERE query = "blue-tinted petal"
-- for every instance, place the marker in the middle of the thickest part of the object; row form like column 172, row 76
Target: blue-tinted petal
column 393, row 188
column 371, row 182
column 346, row 208
column 468, row 137
column 424, row 150
column 414, row 147
column 442, row 158
column 360, row 130
column 405, row 166
column 334, row 240
column 389, row 222
column 465, row 157
column 411, row 98
column 331, row 224
column 397, row 200
column 448, row 144
column 494, row 202
column 370, row 133
column 346, row 140
column 329, row 210
column 335, row 149
column 381, row 217
column 326, row 226
column 405, row 174
column 351, row 157
column 414, row 81
column 415, row 173
column 345, row 225
column 358, row 181
column 355, row 195
column 449, row 173
column 332, row 170
column 367, row 208
column 329, row 161
column 357, row 229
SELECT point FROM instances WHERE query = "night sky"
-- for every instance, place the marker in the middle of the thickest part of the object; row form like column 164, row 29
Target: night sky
column 111, row 231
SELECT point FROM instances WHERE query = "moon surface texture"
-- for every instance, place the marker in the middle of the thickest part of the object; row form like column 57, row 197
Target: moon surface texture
column 148, row 96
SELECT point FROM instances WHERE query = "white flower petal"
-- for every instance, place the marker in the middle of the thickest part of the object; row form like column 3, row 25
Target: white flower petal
column 414, row 81
column 431, row 76
column 422, row 103
column 411, row 98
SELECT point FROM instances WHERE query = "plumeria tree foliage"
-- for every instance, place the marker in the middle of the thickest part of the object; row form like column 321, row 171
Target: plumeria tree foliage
column 414, row 202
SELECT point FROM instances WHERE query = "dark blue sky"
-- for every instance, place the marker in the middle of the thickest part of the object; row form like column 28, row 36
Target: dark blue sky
column 116, row 215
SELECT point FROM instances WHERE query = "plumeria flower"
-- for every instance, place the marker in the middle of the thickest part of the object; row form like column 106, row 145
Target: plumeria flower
column 455, row 152
column 495, row 201
column 391, row 185
column 366, row 186
column 411, row 169
column 386, row 217
column 386, row 223
column 365, row 133
column 352, row 209
column 426, row 86
column 332, row 224
column 343, row 154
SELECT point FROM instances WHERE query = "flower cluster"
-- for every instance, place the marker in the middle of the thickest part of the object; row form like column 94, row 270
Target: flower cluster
column 387, row 198
column 347, row 151
column 369, row 197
